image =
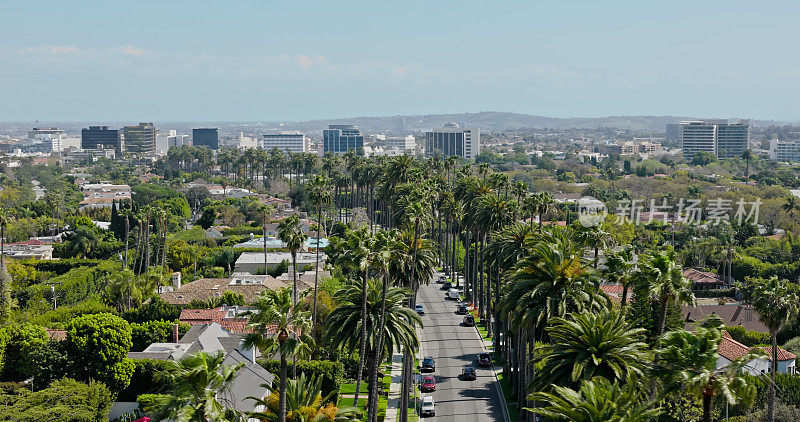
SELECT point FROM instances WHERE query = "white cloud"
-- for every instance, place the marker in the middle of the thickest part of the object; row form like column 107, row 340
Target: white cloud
column 132, row 51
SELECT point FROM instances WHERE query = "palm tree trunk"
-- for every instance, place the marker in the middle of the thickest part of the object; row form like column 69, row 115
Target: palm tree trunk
column 363, row 346
column 282, row 391
column 294, row 277
column 316, row 270
column 624, row 300
column 127, row 229
column 407, row 357
column 376, row 357
column 707, row 400
column 773, row 368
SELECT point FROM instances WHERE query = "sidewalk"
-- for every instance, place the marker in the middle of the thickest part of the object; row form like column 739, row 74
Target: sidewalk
column 394, row 388
column 489, row 347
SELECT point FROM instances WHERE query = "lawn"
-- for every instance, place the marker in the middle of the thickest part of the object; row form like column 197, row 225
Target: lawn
column 351, row 388
column 513, row 412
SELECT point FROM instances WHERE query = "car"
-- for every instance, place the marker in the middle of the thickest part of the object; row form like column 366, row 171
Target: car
column 469, row 321
column 428, row 364
column 484, row 359
column 468, row 373
column 419, row 308
column 447, row 285
column 428, row 383
column 461, row 310
column 453, row 294
column 428, row 407
column 442, row 279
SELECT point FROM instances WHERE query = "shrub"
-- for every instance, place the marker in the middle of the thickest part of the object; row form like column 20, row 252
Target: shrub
column 146, row 333
column 332, row 373
column 99, row 345
column 154, row 310
column 145, row 379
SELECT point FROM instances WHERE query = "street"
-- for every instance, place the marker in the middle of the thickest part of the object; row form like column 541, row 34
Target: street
column 453, row 347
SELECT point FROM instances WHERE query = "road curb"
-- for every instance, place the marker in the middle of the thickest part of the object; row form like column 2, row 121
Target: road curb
column 506, row 416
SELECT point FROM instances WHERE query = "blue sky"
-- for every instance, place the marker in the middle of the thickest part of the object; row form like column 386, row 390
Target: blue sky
column 273, row 60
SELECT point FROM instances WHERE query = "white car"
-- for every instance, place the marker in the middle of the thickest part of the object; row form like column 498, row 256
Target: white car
column 419, row 308
column 428, row 407
column 453, row 294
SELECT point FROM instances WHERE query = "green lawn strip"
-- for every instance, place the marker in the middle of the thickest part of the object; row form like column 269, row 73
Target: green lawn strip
column 412, row 415
column 511, row 404
column 387, row 382
column 351, row 388
column 481, row 328
column 348, row 401
column 383, row 402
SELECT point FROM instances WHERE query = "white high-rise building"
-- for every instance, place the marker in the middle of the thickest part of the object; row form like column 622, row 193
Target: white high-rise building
column 784, row 151
column 717, row 137
column 168, row 139
column 451, row 139
column 294, row 142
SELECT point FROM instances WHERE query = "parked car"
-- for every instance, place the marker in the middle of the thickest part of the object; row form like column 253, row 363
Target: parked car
column 453, row 294
column 469, row 321
column 428, row 407
column 428, row 364
column 461, row 309
column 468, row 373
column 442, row 279
column 447, row 285
column 419, row 308
column 428, row 383
column 484, row 359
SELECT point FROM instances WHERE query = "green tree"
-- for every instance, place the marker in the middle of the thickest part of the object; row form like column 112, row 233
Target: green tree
column 22, row 341
column 278, row 326
column 660, row 271
column 618, row 269
column 598, row 400
column 99, row 345
column 747, row 156
column 5, row 280
column 688, row 363
column 776, row 302
column 319, row 193
column 201, row 390
column 587, row 345
column 64, row 400
column 290, row 232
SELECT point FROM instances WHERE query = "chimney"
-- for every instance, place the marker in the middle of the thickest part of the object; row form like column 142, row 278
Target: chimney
column 248, row 352
column 175, row 333
column 176, row 280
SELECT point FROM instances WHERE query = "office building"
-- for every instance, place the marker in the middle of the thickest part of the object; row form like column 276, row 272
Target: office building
column 402, row 143
column 339, row 139
column 42, row 133
column 140, row 139
column 784, row 151
column 673, row 132
column 101, row 137
column 451, row 139
column 206, row 137
column 294, row 142
column 717, row 137
column 169, row 139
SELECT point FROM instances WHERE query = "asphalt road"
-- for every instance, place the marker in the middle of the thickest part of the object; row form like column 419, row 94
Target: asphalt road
column 453, row 347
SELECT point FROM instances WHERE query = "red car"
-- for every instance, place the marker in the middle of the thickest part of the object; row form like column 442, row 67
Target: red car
column 428, row 383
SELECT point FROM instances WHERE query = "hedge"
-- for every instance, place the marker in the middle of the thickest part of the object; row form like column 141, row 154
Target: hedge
column 332, row 373
column 145, row 379
column 731, row 292
column 61, row 266
column 787, row 391
column 77, row 284
column 747, row 337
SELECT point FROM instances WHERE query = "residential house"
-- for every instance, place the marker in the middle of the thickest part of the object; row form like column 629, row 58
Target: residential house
column 248, row 285
column 702, row 280
column 730, row 350
column 231, row 318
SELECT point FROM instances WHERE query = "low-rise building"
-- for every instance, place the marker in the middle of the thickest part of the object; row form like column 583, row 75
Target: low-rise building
column 248, row 285
column 231, row 318
column 253, row 262
column 29, row 249
column 102, row 195
column 730, row 350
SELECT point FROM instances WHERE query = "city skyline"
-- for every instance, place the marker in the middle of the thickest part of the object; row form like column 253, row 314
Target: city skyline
column 253, row 61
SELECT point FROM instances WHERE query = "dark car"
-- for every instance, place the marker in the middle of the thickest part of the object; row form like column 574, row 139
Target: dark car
column 469, row 321
column 468, row 373
column 484, row 359
column 428, row 364
column 461, row 309
column 441, row 279
column 447, row 285
column 428, row 383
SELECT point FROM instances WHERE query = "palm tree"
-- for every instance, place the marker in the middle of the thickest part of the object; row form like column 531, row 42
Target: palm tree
column 587, row 345
column 544, row 202
column 304, row 402
column 660, row 271
column 689, row 363
column 201, row 390
column 126, row 214
column 776, row 302
column 5, row 218
column 290, row 233
column 348, row 325
column 319, row 194
column 618, row 269
column 278, row 326
column 747, row 156
column 265, row 211
column 791, row 205
column 598, row 400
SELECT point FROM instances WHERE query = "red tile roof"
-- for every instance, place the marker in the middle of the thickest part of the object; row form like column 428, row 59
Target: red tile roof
column 612, row 289
column 57, row 335
column 731, row 349
column 702, row 277
column 205, row 316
